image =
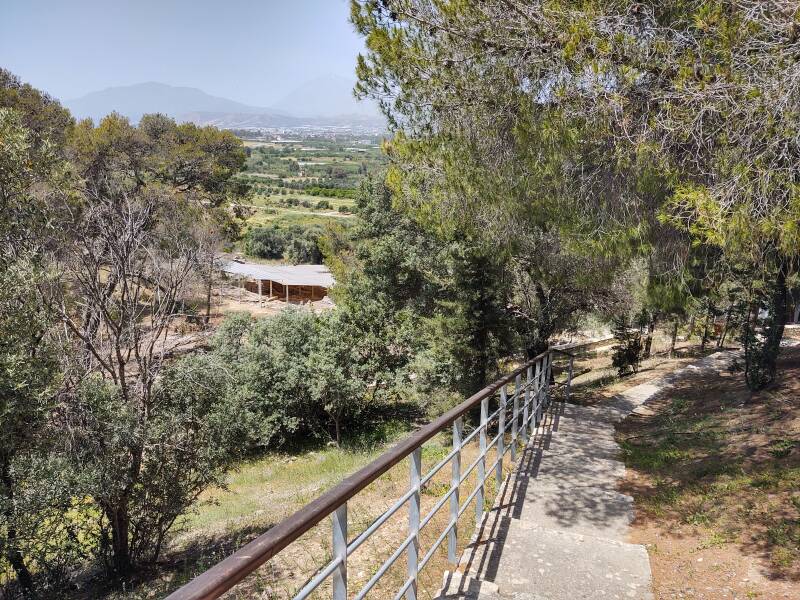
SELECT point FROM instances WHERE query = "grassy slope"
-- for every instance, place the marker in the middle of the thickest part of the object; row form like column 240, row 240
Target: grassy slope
column 262, row 492
column 716, row 474
column 258, row 494
column 267, row 489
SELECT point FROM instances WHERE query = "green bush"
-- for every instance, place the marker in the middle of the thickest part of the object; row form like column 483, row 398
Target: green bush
column 296, row 245
column 295, row 373
column 265, row 242
column 194, row 432
column 628, row 349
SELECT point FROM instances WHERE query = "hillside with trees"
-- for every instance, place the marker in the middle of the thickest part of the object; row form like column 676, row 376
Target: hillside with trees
column 554, row 170
column 618, row 131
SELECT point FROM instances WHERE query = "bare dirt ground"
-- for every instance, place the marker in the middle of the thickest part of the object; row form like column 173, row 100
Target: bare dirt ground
column 233, row 299
column 596, row 380
column 715, row 473
column 186, row 335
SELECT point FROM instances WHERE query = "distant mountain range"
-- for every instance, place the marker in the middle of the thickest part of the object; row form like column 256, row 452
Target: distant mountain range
column 322, row 102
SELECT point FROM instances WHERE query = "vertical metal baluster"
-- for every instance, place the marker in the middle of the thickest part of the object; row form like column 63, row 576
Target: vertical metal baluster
column 569, row 377
column 517, row 396
column 543, row 388
column 340, row 551
column 479, row 497
column 547, row 373
column 542, row 396
column 452, row 537
column 515, row 426
column 536, row 397
column 528, row 382
column 415, row 462
column 501, row 432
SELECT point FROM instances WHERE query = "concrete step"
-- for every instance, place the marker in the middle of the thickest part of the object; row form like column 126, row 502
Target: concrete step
column 583, row 510
column 467, row 595
column 561, row 565
column 637, row 394
column 565, row 426
column 571, row 471
column 604, row 414
column 457, row 586
column 587, row 444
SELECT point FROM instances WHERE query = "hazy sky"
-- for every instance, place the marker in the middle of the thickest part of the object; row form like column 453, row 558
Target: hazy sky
column 253, row 51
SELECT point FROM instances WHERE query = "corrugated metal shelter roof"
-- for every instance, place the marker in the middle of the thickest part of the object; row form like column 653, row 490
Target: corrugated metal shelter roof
column 318, row 275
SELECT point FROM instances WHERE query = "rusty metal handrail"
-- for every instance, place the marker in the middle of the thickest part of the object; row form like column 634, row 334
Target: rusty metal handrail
column 227, row 573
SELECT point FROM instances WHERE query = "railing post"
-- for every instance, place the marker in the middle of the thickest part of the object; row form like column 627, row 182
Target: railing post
column 527, row 399
column 501, row 432
column 514, row 424
column 517, row 396
column 569, row 378
column 547, row 374
column 415, row 462
column 340, row 551
column 537, row 395
column 543, row 388
column 479, row 497
column 452, row 537
column 544, row 385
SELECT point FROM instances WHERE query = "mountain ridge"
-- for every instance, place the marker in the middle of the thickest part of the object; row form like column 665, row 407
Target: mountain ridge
column 191, row 104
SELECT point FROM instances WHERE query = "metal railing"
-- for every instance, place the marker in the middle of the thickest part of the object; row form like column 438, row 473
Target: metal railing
column 517, row 420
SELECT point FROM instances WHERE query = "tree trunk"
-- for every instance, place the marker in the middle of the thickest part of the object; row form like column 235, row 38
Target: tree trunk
column 208, row 289
column 538, row 346
column 746, row 337
column 773, row 329
column 706, row 325
column 119, row 521
column 674, row 339
column 648, row 342
column 544, row 326
column 761, row 354
column 17, row 561
column 721, row 340
column 13, row 554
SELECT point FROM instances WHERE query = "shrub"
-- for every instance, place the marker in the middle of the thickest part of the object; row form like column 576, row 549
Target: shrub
column 302, row 247
column 296, row 245
column 295, row 373
column 194, row 432
column 628, row 349
column 265, row 242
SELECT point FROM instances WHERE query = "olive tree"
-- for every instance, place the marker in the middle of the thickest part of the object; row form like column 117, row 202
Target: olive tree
column 136, row 234
column 28, row 369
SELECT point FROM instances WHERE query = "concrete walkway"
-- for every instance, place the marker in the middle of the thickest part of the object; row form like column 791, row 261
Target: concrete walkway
column 559, row 526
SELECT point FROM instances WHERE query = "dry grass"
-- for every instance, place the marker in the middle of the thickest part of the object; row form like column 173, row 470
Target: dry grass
column 715, row 473
column 595, row 379
column 263, row 492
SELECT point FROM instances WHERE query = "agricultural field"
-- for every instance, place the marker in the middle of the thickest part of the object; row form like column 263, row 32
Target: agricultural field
column 307, row 182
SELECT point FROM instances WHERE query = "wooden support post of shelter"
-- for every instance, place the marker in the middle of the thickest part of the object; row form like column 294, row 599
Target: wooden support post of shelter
column 260, row 298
